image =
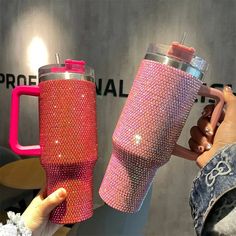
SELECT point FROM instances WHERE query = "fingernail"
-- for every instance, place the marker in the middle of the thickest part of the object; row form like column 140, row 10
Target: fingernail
column 61, row 193
column 200, row 149
column 208, row 131
column 208, row 146
column 228, row 89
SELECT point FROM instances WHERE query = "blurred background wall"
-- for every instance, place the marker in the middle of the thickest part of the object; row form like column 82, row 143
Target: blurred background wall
column 112, row 36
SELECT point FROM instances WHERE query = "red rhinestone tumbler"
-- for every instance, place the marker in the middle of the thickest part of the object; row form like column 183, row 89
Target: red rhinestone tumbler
column 68, row 135
column 68, row 143
column 149, row 126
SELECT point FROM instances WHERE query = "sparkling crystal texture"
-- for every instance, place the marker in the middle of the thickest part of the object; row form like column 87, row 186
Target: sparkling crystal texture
column 146, row 133
column 68, row 140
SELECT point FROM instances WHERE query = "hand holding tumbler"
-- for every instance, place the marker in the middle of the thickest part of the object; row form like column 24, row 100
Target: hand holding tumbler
column 161, row 97
column 68, row 136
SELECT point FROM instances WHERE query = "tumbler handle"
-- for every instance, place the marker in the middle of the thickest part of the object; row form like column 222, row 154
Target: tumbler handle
column 218, row 96
column 33, row 150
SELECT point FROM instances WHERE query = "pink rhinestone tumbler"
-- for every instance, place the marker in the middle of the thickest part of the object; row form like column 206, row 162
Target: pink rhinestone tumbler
column 68, row 139
column 147, row 131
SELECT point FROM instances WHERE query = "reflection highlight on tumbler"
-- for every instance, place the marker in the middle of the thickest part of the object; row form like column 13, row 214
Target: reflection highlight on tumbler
column 138, row 138
column 37, row 54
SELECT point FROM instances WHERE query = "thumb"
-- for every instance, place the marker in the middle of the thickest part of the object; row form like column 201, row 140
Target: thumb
column 230, row 101
column 52, row 201
column 228, row 94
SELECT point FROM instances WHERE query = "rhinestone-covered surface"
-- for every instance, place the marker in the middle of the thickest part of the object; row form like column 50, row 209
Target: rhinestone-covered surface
column 148, row 128
column 68, row 140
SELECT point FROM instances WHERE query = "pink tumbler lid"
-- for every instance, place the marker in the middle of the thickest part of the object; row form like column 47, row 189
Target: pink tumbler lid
column 72, row 66
column 181, row 52
column 178, row 56
column 71, row 69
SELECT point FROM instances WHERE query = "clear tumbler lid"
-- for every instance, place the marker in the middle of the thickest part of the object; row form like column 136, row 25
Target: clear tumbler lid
column 71, row 69
column 179, row 56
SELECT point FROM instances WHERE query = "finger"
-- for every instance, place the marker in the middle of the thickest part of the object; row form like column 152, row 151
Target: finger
column 199, row 138
column 230, row 100
column 207, row 110
column 38, row 199
column 205, row 126
column 195, row 147
column 228, row 94
column 53, row 200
